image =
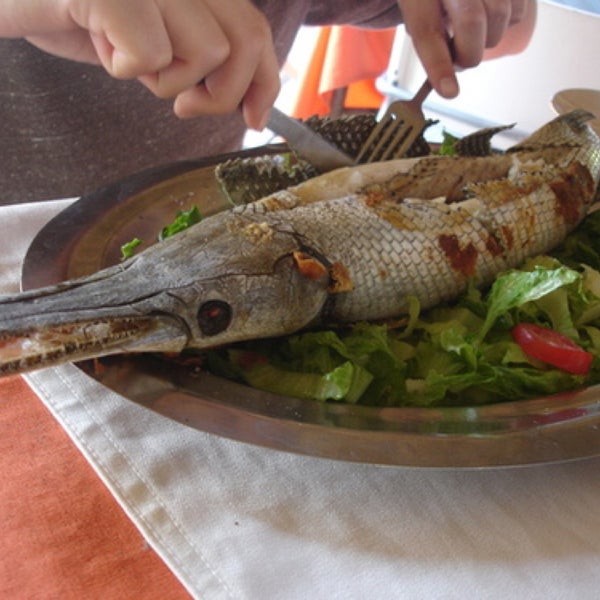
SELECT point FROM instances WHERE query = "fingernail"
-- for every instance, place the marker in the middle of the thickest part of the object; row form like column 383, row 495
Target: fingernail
column 448, row 87
column 263, row 121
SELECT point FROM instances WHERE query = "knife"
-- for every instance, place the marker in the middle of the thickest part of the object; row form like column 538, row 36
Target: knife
column 308, row 144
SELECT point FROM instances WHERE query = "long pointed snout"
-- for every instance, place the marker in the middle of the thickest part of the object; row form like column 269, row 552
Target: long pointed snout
column 82, row 319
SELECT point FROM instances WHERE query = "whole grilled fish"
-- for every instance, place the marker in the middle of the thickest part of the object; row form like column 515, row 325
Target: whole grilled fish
column 349, row 245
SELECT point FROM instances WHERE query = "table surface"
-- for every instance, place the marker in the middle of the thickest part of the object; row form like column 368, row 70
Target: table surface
column 63, row 534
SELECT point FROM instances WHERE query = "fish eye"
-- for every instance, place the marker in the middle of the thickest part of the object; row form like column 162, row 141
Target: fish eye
column 214, row 317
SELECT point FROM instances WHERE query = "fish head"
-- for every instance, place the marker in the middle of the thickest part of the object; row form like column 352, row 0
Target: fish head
column 222, row 281
column 252, row 280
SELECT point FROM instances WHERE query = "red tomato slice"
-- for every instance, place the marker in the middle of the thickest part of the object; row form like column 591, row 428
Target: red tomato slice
column 552, row 347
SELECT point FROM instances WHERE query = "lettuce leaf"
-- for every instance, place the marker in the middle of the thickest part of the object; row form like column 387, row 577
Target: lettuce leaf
column 515, row 288
column 183, row 220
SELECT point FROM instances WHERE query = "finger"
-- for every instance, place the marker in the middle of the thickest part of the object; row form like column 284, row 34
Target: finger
column 220, row 92
column 467, row 21
column 254, row 89
column 249, row 77
column 518, row 34
column 518, row 11
column 426, row 27
column 200, row 46
column 262, row 93
column 251, row 74
column 252, row 53
column 130, row 38
column 498, row 17
column 23, row 19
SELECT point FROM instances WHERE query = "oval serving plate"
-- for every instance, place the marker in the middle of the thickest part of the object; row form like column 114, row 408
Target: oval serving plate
column 87, row 236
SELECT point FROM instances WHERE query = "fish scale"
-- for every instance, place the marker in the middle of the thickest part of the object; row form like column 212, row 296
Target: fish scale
column 377, row 245
column 350, row 245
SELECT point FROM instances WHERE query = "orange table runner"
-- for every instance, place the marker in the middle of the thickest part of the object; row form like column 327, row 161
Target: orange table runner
column 63, row 534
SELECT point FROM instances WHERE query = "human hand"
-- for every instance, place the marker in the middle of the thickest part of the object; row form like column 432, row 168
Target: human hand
column 210, row 56
column 473, row 25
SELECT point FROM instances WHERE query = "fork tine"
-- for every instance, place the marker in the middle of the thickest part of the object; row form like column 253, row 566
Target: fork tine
column 399, row 128
column 402, row 143
column 378, row 139
column 396, row 142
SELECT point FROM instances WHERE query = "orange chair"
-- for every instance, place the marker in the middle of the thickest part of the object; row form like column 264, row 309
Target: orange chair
column 342, row 70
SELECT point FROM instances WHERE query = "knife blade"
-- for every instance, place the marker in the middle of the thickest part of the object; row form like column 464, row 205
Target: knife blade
column 307, row 143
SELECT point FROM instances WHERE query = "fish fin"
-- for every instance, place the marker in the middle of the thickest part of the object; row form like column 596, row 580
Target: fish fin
column 479, row 143
column 245, row 180
column 309, row 266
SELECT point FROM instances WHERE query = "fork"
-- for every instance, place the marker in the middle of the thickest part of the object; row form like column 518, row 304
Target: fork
column 401, row 125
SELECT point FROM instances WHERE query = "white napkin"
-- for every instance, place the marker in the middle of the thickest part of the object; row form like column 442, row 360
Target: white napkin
column 237, row 521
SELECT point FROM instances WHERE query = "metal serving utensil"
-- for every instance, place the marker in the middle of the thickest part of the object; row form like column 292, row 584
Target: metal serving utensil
column 308, row 144
column 397, row 131
column 400, row 126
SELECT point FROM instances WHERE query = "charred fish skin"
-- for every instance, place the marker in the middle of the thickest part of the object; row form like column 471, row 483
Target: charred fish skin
column 346, row 246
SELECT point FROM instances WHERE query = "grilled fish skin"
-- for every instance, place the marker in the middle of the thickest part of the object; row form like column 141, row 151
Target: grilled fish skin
column 345, row 246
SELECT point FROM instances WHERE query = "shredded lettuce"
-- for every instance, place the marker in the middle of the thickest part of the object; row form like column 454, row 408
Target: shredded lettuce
column 582, row 246
column 183, row 220
column 448, row 145
column 128, row 249
column 345, row 382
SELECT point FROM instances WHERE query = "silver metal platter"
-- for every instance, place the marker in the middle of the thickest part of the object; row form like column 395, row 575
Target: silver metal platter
column 87, row 236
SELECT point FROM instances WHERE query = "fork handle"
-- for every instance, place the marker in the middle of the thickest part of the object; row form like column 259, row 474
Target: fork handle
column 422, row 93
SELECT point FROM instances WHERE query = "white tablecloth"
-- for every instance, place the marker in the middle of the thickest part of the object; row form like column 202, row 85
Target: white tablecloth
column 237, row 521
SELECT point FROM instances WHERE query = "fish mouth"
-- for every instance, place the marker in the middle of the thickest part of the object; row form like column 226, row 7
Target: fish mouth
column 54, row 344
